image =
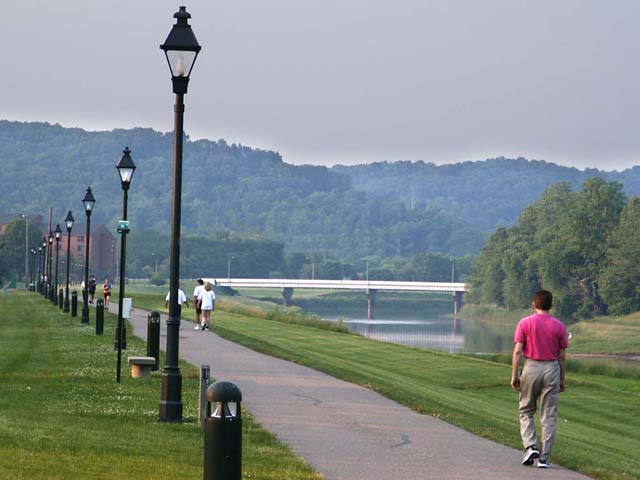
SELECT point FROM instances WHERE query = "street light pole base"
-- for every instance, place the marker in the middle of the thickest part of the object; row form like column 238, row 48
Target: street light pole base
column 171, row 396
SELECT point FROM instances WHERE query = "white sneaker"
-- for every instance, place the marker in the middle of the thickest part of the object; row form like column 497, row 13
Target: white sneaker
column 197, row 327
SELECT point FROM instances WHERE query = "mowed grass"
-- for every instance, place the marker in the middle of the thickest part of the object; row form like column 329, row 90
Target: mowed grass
column 63, row 416
column 599, row 421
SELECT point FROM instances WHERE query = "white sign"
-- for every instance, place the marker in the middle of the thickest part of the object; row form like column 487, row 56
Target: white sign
column 127, row 305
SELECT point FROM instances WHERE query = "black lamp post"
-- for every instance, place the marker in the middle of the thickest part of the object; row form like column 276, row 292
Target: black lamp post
column 57, row 232
column 32, row 286
column 39, row 283
column 69, row 223
column 126, row 169
column 88, row 201
column 49, row 267
column 44, row 265
column 181, row 49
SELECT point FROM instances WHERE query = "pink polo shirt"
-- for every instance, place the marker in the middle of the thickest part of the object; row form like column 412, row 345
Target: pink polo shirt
column 542, row 336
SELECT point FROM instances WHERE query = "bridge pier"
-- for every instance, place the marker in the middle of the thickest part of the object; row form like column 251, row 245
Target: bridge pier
column 371, row 303
column 457, row 302
column 287, row 295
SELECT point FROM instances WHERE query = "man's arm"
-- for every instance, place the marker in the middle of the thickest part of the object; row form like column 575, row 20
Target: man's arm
column 515, row 364
column 563, row 365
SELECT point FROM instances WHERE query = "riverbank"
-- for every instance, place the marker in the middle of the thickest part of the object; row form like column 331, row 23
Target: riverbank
column 612, row 336
column 597, row 412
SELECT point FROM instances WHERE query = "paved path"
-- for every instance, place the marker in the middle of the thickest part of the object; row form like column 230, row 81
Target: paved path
column 343, row 430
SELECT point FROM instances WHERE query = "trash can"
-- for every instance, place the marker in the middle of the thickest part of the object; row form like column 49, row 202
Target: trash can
column 223, row 433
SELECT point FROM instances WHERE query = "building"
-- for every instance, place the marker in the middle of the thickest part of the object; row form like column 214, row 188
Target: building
column 102, row 249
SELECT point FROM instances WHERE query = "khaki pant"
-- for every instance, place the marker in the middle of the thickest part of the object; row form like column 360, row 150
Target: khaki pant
column 540, row 381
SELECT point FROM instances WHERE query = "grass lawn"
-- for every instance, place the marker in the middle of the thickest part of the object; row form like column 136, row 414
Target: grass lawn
column 65, row 417
column 599, row 421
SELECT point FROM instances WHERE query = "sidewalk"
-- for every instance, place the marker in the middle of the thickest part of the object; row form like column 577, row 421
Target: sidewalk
column 345, row 431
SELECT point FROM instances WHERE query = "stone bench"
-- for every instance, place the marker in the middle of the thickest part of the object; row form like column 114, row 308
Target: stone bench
column 141, row 366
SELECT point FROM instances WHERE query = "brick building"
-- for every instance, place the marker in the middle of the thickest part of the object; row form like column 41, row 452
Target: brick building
column 102, row 248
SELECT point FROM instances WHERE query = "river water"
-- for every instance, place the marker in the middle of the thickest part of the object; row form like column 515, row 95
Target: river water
column 452, row 335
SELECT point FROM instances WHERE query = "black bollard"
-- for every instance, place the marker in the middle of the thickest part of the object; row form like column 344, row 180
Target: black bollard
column 74, row 304
column 52, row 294
column 99, row 317
column 223, row 433
column 153, row 338
column 60, row 298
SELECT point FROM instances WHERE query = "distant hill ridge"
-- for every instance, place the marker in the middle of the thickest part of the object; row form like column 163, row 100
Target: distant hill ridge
column 349, row 210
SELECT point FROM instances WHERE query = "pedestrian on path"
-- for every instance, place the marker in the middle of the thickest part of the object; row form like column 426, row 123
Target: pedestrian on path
column 106, row 293
column 92, row 288
column 182, row 298
column 207, row 300
column 542, row 340
column 196, row 295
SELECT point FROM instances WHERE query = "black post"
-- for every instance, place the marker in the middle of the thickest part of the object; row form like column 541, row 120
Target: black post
column 50, row 290
column 171, row 397
column 39, row 285
column 68, row 221
column 99, row 316
column 66, row 291
column 32, row 286
column 223, row 433
column 153, row 338
column 74, row 304
column 60, row 298
column 88, row 202
column 57, row 256
column 126, row 168
column 181, row 49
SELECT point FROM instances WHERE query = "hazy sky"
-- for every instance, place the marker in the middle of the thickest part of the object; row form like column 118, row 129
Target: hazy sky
column 343, row 81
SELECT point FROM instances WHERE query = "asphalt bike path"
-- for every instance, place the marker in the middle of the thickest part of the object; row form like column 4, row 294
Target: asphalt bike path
column 344, row 431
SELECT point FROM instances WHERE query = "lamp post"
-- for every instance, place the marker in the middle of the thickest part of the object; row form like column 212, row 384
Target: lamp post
column 57, row 232
column 228, row 269
column 181, row 49
column 32, row 286
column 44, row 266
column 126, row 169
column 69, row 221
column 88, row 201
column 38, row 285
column 49, row 267
column 26, row 246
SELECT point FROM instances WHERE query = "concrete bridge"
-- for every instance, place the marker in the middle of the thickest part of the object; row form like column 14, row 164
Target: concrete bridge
column 370, row 287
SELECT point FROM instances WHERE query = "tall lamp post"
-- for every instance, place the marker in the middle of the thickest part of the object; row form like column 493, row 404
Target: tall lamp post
column 49, row 267
column 69, row 221
column 32, row 285
column 57, row 232
column 126, row 169
column 88, row 201
column 181, row 49
column 39, row 282
column 44, row 264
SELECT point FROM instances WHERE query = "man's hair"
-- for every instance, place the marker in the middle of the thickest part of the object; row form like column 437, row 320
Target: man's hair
column 543, row 300
column 200, row 281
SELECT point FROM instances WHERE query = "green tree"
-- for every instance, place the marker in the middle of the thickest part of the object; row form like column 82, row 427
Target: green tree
column 619, row 280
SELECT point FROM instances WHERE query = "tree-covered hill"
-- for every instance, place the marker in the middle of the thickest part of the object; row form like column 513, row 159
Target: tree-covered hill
column 234, row 188
column 484, row 194
column 347, row 211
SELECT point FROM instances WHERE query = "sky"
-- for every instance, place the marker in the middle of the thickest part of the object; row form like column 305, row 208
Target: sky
column 343, row 81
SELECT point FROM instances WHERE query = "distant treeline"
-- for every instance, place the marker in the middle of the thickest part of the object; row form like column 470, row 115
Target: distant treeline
column 584, row 246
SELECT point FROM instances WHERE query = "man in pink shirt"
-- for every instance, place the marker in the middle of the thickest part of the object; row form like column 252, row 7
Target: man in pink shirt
column 542, row 340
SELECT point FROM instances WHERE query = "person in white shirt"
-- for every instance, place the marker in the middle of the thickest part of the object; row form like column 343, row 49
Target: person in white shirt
column 207, row 300
column 182, row 298
column 196, row 304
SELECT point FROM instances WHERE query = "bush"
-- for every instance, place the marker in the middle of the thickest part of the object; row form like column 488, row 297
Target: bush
column 157, row 279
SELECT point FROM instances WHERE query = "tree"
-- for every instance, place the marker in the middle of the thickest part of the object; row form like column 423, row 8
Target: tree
column 619, row 280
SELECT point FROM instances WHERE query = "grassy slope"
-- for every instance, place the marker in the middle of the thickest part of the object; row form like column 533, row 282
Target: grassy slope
column 64, row 416
column 599, row 431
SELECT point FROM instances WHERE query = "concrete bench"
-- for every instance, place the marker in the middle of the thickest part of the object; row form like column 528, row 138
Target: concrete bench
column 141, row 366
